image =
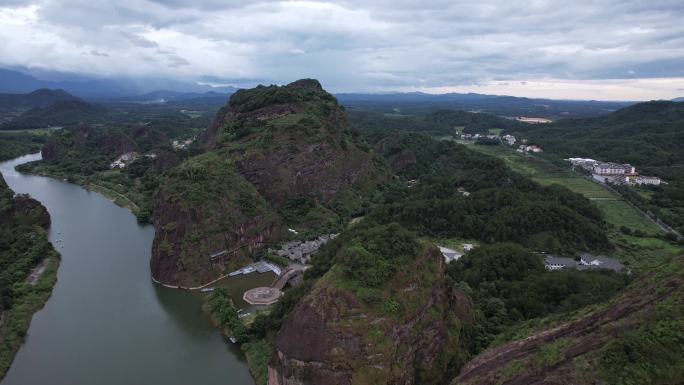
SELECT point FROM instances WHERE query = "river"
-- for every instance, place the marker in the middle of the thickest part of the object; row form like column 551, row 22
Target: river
column 107, row 322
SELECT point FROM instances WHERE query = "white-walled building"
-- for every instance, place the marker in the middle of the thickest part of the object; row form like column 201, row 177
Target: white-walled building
column 607, row 168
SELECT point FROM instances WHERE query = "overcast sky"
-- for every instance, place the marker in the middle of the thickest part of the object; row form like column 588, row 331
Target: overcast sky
column 607, row 49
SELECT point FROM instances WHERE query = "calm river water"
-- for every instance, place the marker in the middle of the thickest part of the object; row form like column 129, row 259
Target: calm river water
column 106, row 322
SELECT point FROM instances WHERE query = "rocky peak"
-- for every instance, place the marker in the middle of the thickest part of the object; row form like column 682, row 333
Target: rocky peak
column 309, row 84
column 290, row 151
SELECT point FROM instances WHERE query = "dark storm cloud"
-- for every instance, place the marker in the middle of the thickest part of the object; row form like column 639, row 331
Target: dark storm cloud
column 352, row 44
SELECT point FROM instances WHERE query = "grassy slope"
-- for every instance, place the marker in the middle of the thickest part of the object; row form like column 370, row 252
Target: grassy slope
column 638, row 252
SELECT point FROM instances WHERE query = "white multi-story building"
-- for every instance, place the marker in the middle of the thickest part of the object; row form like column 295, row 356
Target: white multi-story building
column 602, row 168
column 651, row 180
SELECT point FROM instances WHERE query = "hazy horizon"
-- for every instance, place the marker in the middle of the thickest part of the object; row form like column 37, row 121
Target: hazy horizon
column 615, row 50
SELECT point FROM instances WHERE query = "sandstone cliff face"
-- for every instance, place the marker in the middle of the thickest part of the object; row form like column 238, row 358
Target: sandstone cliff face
column 293, row 141
column 202, row 208
column 290, row 151
column 333, row 338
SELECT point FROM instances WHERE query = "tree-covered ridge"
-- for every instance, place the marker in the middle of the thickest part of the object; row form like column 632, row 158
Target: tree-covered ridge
column 23, row 247
column 648, row 135
column 455, row 192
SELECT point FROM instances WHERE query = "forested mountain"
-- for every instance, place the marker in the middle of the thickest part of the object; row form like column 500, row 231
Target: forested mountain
column 647, row 135
column 276, row 158
column 45, row 107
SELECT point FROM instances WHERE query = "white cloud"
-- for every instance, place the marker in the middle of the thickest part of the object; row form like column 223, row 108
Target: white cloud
column 353, row 45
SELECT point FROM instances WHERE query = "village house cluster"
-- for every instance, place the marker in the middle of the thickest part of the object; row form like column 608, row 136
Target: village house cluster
column 479, row 136
column 181, row 144
column 509, row 140
column 529, row 148
column 584, row 262
column 298, row 251
column 608, row 172
column 525, row 119
column 128, row 158
column 451, row 255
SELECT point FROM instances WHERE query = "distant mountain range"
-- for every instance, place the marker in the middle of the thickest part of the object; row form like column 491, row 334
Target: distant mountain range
column 493, row 104
column 84, row 86
column 166, row 96
column 127, row 90
column 678, row 99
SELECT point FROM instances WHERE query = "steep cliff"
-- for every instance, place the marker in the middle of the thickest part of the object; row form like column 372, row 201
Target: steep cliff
column 204, row 207
column 295, row 145
column 405, row 331
column 279, row 157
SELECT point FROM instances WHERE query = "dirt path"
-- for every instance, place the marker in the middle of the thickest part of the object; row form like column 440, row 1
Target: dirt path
column 37, row 272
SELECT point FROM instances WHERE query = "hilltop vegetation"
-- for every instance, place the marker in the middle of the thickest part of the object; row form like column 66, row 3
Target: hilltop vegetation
column 23, row 247
column 382, row 314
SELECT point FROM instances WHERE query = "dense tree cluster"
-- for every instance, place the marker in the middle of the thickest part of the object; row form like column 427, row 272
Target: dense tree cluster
column 509, row 284
column 23, row 242
column 14, row 145
column 221, row 308
column 463, row 194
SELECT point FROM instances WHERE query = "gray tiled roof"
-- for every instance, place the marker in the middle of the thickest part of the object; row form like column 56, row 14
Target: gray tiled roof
column 569, row 262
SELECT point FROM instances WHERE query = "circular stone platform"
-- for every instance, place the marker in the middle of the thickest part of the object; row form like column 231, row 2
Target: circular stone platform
column 262, row 296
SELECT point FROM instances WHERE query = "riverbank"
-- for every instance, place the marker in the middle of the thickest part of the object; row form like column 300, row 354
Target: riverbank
column 15, row 322
column 153, row 334
column 28, row 268
column 118, row 198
